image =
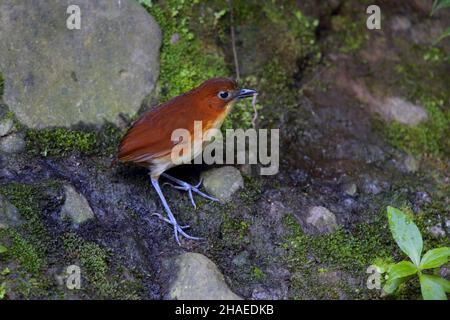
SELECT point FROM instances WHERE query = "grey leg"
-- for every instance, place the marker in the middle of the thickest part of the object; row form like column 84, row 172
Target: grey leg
column 171, row 219
column 189, row 188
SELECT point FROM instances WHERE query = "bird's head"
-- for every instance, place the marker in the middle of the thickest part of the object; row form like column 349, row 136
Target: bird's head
column 220, row 93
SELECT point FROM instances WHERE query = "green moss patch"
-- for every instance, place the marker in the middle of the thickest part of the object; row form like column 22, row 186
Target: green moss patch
column 63, row 141
column 95, row 261
column 430, row 137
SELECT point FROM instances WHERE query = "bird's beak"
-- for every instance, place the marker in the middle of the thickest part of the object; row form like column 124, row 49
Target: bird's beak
column 245, row 93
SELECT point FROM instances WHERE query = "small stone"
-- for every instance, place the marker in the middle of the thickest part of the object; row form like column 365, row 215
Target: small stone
column 372, row 186
column 437, row 231
column 13, row 143
column 350, row 188
column 322, row 219
column 174, row 38
column 241, row 259
column 9, row 215
column 6, row 125
column 400, row 23
column 222, row 182
column 199, row 278
column 423, row 197
column 76, row 207
column 411, row 164
column 398, row 109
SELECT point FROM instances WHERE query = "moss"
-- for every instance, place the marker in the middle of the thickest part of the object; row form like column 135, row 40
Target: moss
column 29, row 199
column 185, row 63
column 63, row 141
column 58, row 141
column 190, row 55
column 257, row 273
column 234, row 230
column 252, row 191
column 430, row 137
column 349, row 250
column 27, row 255
column 94, row 263
column 351, row 33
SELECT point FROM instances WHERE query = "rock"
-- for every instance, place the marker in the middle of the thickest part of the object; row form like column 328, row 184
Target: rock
column 322, row 219
column 199, row 279
column 400, row 23
column 241, row 259
column 437, row 231
column 13, row 143
column 76, row 206
column 373, row 185
column 405, row 112
column 9, row 215
column 350, row 188
column 265, row 293
column 55, row 76
column 222, row 182
column 411, row 164
column 389, row 108
column 6, row 124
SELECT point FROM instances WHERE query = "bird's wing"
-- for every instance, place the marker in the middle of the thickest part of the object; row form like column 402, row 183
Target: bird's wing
column 150, row 136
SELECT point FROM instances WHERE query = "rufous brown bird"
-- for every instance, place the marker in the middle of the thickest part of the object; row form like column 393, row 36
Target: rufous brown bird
column 148, row 143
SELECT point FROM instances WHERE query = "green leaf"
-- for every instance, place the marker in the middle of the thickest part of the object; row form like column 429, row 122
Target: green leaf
column 435, row 258
column 392, row 284
column 2, row 291
column 439, row 4
column 402, row 269
column 406, row 234
column 445, row 284
column 432, row 288
column 3, row 249
column 444, row 34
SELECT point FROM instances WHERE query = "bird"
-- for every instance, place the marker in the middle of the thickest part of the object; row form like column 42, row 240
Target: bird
column 148, row 142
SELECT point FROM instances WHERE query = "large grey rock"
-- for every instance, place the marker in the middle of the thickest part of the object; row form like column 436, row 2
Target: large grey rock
column 76, row 207
column 58, row 77
column 222, row 182
column 199, row 279
column 322, row 219
column 9, row 215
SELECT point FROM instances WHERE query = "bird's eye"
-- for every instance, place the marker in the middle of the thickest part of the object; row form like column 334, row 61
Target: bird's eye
column 223, row 95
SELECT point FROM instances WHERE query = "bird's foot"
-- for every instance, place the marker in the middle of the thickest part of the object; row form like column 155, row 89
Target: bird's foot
column 177, row 229
column 181, row 185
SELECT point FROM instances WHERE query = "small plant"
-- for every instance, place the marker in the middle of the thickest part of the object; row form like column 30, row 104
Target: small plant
column 437, row 5
column 3, row 249
column 409, row 239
